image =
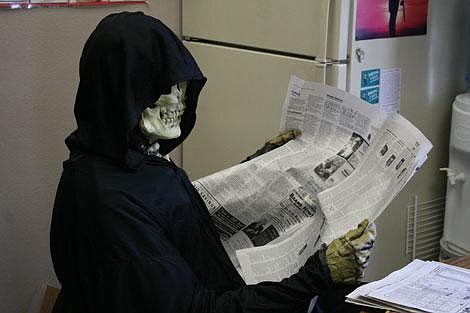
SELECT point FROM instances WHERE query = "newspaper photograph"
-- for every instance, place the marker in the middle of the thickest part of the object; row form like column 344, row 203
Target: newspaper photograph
column 349, row 163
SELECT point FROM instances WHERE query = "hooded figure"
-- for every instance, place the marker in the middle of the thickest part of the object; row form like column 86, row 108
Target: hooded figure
column 129, row 232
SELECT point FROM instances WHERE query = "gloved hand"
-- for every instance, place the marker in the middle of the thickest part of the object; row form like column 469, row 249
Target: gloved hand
column 348, row 256
column 275, row 142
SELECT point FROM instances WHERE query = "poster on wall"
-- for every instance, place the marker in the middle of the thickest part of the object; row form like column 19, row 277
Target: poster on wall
column 390, row 18
column 27, row 4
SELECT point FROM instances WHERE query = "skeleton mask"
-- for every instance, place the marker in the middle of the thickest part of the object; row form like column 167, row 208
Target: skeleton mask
column 162, row 120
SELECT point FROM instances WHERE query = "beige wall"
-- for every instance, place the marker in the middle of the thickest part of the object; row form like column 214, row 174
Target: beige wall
column 39, row 51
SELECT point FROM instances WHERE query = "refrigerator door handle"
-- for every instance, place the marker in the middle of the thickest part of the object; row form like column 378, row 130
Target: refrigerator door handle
column 328, row 61
column 333, row 73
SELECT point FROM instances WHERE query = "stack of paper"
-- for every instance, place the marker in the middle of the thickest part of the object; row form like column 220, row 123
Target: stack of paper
column 419, row 287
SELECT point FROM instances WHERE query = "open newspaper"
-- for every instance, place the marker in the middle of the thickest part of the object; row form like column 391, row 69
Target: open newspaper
column 274, row 211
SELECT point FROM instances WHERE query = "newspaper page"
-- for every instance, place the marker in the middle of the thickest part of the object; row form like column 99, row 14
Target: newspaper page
column 264, row 200
column 419, row 287
column 281, row 259
column 393, row 158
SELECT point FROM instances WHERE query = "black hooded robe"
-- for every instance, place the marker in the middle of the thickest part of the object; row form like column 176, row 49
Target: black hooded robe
column 129, row 232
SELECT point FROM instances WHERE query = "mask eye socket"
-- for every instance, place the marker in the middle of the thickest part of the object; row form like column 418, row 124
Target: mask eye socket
column 182, row 87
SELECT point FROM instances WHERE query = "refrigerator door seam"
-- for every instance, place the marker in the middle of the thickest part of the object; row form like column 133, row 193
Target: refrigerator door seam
column 324, row 61
column 249, row 48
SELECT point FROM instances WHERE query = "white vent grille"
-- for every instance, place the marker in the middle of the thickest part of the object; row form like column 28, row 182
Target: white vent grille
column 424, row 229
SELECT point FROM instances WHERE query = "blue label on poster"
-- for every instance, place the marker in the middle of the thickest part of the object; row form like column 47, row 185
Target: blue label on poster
column 370, row 78
column 370, row 95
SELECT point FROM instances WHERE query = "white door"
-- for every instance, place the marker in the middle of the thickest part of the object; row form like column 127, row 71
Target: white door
column 428, row 80
column 299, row 27
column 240, row 106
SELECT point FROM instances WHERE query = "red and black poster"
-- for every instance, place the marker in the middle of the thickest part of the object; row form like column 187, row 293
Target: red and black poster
column 390, row 18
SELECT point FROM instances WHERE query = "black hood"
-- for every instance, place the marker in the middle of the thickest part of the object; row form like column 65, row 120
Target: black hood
column 128, row 61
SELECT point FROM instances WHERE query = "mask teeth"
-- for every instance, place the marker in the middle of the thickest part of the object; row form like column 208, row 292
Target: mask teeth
column 171, row 114
column 171, row 121
column 171, row 117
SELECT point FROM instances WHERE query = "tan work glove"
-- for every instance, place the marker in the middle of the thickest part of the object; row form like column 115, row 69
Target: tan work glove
column 348, row 256
column 275, row 142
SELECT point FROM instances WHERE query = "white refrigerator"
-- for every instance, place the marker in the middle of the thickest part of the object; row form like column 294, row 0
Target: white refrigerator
column 249, row 48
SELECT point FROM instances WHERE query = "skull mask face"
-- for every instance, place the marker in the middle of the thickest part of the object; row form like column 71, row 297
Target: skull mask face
column 162, row 120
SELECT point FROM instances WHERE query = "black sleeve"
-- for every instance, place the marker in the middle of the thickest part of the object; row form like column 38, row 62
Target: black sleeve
column 292, row 294
column 166, row 284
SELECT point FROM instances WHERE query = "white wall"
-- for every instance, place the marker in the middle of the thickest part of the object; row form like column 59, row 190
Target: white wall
column 39, row 55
